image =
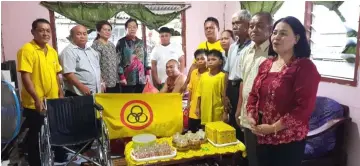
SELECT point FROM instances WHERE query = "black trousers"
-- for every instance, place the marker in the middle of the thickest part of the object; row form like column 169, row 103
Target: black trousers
column 290, row 154
column 251, row 147
column 232, row 92
column 138, row 88
column 34, row 121
column 115, row 89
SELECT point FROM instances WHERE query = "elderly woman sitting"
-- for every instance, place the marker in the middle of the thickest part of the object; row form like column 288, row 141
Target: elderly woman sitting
column 175, row 78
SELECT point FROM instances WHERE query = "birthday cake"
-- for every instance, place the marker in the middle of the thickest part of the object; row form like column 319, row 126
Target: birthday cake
column 220, row 132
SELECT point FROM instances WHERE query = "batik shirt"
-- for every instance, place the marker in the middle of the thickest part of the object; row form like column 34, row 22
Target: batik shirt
column 133, row 60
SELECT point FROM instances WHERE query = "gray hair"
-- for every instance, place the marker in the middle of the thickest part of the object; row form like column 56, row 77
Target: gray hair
column 243, row 14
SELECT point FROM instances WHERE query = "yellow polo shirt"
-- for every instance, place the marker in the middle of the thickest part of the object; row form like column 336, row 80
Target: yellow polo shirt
column 210, row 46
column 43, row 70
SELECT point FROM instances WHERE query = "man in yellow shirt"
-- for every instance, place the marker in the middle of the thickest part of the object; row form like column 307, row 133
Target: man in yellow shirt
column 211, row 29
column 39, row 67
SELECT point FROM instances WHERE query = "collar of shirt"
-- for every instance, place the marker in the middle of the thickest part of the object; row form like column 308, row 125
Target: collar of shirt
column 77, row 47
column 37, row 47
column 264, row 46
column 247, row 42
column 127, row 37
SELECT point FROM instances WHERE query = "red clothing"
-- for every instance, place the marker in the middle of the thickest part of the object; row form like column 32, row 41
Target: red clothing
column 288, row 95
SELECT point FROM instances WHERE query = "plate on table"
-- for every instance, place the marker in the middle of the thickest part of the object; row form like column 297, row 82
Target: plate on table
column 224, row 145
column 172, row 155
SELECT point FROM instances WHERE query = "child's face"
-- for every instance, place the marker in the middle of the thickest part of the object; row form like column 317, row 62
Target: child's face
column 201, row 61
column 213, row 62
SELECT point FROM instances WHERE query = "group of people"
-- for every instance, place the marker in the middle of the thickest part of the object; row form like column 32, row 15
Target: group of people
column 263, row 84
column 257, row 77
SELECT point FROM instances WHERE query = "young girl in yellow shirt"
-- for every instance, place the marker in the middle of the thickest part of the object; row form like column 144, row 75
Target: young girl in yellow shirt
column 210, row 89
column 194, row 121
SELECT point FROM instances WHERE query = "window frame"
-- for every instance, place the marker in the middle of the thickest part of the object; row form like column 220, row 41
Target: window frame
column 307, row 24
column 183, row 32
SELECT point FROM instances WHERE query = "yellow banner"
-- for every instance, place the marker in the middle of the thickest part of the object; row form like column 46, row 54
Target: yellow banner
column 127, row 115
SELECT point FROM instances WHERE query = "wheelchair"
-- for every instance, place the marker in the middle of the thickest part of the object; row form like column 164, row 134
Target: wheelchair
column 73, row 121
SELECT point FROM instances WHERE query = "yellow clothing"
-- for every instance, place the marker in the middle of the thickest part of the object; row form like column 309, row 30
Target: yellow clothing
column 210, row 46
column 192, row 87
column 210, row 91
column 43, row 70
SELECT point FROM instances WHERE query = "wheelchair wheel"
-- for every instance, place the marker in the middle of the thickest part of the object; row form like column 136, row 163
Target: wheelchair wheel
column 46, row 154
column 104, row 149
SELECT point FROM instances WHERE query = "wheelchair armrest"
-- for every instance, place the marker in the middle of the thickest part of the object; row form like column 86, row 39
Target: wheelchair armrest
column 98, row 107
column 326, row 127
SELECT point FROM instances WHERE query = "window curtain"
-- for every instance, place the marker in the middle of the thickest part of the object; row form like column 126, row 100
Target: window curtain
column 88, row 14
column 261, row 6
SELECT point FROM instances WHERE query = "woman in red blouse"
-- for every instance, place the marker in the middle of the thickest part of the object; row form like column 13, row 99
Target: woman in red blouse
column 283, row 96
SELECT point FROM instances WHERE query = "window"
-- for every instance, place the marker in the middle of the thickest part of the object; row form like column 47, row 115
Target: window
column 288, row 9
column 333, row 40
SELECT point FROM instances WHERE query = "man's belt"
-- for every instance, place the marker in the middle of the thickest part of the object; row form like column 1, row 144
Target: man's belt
column 235, row 82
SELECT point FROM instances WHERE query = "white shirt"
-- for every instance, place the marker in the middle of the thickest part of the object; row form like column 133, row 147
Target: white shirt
column 250, row 61
column 162, row 54
column 84, row 63
column 233, row 60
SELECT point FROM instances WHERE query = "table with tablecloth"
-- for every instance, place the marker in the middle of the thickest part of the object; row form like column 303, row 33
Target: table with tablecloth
column 207, row 150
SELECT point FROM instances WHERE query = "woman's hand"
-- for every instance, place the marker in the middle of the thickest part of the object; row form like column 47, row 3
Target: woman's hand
column 263, row 129
column 251, row 121
column 123, row 82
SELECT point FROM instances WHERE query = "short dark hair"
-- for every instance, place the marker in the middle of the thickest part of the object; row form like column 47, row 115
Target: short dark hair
column 37, row 21
column 99, row 25
column 200, row 51
column 164, row 30
column 129, row 21
column 267, row 15
column 302, row 47
column 212, row 19
column 216, row 53
column 231, row 33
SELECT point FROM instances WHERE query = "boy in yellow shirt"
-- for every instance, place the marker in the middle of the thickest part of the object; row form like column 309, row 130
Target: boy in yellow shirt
column 210, row 90
column 211, row 30
column 194, row 120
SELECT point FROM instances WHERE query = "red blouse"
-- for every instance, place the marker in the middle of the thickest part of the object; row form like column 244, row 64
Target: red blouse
column 288, row 95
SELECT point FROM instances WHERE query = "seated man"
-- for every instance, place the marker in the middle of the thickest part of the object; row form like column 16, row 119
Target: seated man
column 175, row 78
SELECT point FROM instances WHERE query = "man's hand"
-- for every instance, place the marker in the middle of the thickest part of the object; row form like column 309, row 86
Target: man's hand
column 61, row 93
column 237, row 115
column 227, row 104
column 85, row 90
column 183, row 88
column 39, row 106
column 158, row 81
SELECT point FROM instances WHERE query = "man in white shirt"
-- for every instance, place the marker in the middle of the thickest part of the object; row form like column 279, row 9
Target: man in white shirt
column 250, row 60
column 161, row 54
column 240, row 25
